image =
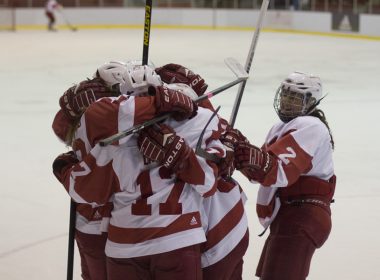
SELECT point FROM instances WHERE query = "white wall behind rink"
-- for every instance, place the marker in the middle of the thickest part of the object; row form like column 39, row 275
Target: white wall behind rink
column 202, row 18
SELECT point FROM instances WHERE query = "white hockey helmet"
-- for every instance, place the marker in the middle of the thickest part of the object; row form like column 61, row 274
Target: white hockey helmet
column 298, row 95
column 138, row 78
column 132, row 79
column 112, row 73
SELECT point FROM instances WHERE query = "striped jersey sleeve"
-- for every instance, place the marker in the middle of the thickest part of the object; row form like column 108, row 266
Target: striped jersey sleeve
column 301, row 148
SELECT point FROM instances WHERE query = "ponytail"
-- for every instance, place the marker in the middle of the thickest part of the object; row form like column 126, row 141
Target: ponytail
column 320, row 115
column 71, row 132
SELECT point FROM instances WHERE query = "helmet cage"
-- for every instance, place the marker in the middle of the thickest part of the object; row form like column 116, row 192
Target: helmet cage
column 289, row 104
column 298, row 95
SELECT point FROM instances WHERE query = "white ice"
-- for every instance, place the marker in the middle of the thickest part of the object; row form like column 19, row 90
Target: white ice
column 36, row 67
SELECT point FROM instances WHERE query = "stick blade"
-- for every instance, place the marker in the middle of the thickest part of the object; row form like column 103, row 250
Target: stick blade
column 236, row 67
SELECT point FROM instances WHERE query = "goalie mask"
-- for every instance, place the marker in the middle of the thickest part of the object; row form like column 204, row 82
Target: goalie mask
column 131, row 78
column 298, row 95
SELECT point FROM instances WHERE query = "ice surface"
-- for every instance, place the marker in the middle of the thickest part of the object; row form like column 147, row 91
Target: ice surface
column 36, row 67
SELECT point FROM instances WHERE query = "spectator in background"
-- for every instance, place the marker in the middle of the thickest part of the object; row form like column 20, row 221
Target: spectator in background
column 50, row 7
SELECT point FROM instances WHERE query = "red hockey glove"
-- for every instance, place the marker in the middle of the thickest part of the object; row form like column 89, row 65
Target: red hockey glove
column 62, row 163
column 160, row 143
column 169, row 100
column 175, row 73
column 229, row 139
column 232, row 137
column 77, row 98
column 252, row 161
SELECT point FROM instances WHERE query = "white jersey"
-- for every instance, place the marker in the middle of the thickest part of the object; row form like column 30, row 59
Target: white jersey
column 225, row 221
column 303, row 148
column 51, row 5
column 153, row 212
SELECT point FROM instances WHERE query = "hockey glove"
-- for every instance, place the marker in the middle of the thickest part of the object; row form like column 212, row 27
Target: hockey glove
column 253, row 162
column 161, row 144
column 77, row 98
column 175, row 73
column 62, row 163
column 230, row 139
column 170, row 100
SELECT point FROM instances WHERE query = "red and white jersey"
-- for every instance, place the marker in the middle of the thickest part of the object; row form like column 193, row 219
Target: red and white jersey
column 225, row 221
column 303, row 148
column 51, row 5
column 153, row 212
column 91, row 219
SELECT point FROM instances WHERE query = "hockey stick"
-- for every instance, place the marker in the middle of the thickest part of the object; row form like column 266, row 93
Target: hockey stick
column 251, row 53
column 198, row 148
column 73, row 28
column 70, row 251
column 147, row 22
column 232, row 64
column 236, row 68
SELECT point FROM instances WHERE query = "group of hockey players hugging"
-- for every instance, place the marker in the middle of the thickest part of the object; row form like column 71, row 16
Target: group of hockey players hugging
column 148, row 206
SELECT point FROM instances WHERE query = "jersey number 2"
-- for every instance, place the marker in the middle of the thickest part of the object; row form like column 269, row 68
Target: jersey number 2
column 285, row 157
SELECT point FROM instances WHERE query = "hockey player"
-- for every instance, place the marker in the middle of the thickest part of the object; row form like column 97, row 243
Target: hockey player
column 296, row 173
column 225, row 220
column 151, row 221
column 92, row 222
column 227, row 231
column 50, row 7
